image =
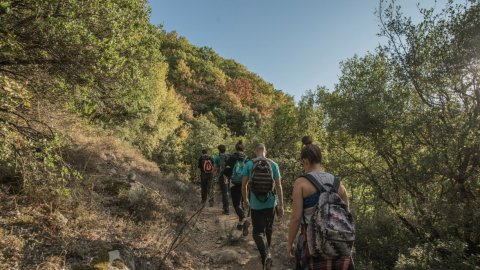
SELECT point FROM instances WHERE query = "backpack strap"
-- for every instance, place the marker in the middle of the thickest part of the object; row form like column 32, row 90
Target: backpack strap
column 320, row 187
column 315, row 182
column 256, row 161
column 336, row 184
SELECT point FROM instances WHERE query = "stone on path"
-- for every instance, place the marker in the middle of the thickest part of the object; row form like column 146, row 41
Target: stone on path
column 182, row 186
column 131, row 177
column 227, row 256
column 120, row 261
column 59, row 218
column 136, row 193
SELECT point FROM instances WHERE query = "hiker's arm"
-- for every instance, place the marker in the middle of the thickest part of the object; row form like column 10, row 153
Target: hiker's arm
column 279, row 189
column 342, row 192
column 225, row 179
column 245, row 192
column 296, row 216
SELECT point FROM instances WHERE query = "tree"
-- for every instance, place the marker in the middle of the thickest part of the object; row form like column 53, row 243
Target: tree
column 405, row 123
column 202, row 134
column 101, row 58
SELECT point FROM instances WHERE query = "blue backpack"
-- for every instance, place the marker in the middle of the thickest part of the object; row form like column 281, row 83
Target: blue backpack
column 237, row 172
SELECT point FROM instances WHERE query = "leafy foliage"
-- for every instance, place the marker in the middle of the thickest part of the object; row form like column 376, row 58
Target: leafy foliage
column 235, row 96
column 404, row 123
column 100, row 58
column 402, row 126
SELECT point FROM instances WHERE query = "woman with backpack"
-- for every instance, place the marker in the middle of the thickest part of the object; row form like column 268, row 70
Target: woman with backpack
column 311, row 194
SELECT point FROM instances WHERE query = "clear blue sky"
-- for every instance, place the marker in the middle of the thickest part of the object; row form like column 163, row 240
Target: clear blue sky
column 294, row 44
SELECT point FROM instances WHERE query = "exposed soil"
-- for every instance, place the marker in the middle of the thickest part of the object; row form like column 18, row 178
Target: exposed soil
column 215, row 233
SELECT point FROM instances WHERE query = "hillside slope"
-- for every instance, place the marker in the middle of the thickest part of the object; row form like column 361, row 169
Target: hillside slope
column 223, row 89
column 123, row 203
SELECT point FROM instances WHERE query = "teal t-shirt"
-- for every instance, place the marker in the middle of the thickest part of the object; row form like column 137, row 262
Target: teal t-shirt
column 216, row 162
column 255, row 203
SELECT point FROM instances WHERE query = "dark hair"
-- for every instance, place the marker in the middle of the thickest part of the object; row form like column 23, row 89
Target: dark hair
column 311, row 151
column 204, row 151
column 222, row 148
column 239, row 146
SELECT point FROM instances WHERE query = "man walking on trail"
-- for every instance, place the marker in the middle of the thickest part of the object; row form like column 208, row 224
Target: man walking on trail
column 220, row 161
column 261, row 180
column 234, row 171
column 205, row 164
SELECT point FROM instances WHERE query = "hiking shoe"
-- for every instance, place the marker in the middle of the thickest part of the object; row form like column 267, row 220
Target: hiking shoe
column 210, row 203
column 226, row 213
column 246, row 224
column 240, row 225
column 268, row 263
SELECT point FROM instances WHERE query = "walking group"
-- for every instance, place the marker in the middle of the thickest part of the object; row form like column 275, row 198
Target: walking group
column 320, row 206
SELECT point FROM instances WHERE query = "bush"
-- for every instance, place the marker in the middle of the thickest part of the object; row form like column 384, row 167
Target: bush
column 440, row 254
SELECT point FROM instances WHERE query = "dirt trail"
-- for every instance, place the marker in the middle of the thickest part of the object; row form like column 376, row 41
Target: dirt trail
column 217, row 243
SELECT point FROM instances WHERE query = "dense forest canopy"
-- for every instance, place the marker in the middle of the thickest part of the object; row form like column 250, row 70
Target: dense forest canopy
column 401, row 127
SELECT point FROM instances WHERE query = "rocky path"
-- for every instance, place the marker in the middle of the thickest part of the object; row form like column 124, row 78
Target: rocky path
column 219, row 245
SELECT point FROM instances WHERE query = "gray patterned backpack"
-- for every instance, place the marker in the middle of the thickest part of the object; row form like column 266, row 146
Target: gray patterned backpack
column 331, row 231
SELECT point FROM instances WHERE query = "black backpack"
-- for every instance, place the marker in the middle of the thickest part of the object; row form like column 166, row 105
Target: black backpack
column 262, row 179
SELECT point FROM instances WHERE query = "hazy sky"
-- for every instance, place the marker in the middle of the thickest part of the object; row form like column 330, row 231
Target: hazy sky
column 294, row 44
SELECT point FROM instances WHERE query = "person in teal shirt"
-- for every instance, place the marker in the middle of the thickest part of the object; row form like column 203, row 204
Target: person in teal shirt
column 262, row 207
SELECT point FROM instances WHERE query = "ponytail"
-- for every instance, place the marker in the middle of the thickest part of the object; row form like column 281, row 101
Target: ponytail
column 310, row 151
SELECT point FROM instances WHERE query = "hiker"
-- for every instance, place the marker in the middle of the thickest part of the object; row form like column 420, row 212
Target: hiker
column 234, row 172
column 205, row 164
column 261, row 180
column 220, row 161
column 311, row 190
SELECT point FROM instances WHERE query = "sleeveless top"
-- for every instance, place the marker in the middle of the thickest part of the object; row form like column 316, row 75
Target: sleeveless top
column 310, row 202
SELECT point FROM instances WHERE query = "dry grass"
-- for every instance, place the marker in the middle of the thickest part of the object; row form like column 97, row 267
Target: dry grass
column 108, row 209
